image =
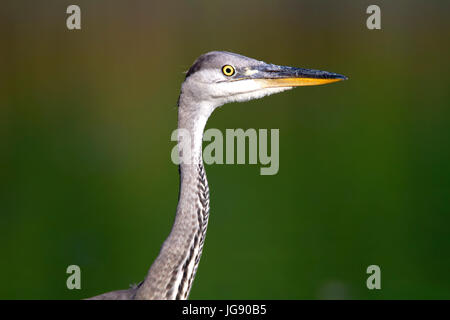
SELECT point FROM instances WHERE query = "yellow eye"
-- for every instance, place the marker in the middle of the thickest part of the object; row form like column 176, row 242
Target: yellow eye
column 228, row 70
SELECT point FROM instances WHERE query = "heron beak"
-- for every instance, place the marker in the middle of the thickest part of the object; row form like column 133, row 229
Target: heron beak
column 272, row 76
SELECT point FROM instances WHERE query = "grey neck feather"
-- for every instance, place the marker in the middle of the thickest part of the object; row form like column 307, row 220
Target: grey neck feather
column 172, row 273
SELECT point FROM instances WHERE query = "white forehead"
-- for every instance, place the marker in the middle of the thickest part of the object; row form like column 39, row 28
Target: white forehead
column 215, row 60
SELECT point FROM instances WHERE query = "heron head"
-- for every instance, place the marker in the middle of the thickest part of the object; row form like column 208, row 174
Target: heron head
column 220, row 77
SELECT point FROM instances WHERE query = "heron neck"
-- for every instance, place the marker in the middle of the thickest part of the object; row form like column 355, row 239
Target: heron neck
column 172, row 273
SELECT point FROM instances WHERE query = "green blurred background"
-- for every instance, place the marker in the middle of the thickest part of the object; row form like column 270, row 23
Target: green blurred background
column 85, row 171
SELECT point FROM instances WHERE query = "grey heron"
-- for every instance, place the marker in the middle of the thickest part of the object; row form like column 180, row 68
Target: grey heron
column 215, row 78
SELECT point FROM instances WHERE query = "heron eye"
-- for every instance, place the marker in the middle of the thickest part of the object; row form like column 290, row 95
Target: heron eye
column 228, row 70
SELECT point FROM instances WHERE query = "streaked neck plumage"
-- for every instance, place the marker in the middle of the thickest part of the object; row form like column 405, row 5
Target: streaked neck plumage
column 172, row 273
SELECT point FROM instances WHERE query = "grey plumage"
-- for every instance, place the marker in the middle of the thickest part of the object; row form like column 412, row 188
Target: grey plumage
column 208, row 85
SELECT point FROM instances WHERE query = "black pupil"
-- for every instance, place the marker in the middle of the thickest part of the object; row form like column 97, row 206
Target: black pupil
column 228, row 70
